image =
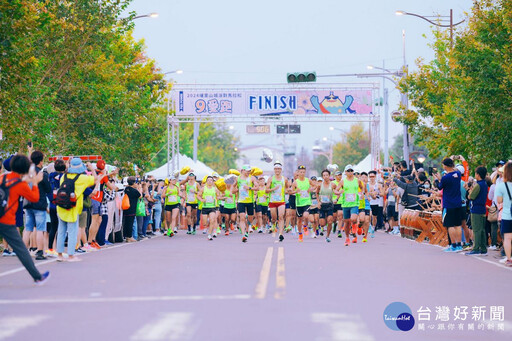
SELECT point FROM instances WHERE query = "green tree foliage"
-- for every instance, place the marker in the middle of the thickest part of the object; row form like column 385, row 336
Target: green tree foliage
column 75, row 81
column 463, row 97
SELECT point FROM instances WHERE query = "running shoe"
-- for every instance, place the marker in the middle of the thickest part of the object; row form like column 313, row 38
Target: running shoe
column 210, row 237
column 260, row 230
column 194, row 232
column 313, row 235
column 218, row 230
column 80, row 250
column 372, row 231
column 301, row 237
column 288, row 228
column 359, row 230
column 40, row 255
column 347, row 242
column 364, row 240
column 354, row 228
column 328, row 240
column 339, row 235
column 244, row 239
column 189, row 232
column 107, row 243
column 281, row 238
column 354, row 240
column 508, row 262
column 95, row 245
column 214, row 235
column 450, row 249
column 44, row 278
column 226, row 233
column 6, row 253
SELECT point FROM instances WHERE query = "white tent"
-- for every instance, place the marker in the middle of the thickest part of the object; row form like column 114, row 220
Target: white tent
column 366, row 164
column 199, row 168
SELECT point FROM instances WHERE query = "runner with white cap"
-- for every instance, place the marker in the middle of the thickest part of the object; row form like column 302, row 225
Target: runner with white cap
column 348, row 188
column 276, row 187
column 208, row 195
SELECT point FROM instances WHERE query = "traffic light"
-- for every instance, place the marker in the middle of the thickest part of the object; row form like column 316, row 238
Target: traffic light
column 301, row 77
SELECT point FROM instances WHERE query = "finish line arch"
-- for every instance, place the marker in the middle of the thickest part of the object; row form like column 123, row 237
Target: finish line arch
column 272, row 104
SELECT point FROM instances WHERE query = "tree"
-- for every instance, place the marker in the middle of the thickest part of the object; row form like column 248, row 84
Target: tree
column 75, row 81
column 463, row 97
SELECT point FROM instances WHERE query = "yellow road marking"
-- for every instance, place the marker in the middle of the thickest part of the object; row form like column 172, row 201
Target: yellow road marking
column 280, row 275
column 261, row 287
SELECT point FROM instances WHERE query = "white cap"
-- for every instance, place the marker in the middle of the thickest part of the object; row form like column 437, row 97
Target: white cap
column 347, row 167
column 460, row 168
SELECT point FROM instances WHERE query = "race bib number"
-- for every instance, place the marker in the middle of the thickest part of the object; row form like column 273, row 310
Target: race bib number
column 209, row 200
column 324, row 199
column 191, row 197
column 391, row 199
column 262, row 199
column 351, row 197
column 314, row 202
column 275, row 197
column 244, row 194
column 304, row 194
column 229, row 200
column 173, row 198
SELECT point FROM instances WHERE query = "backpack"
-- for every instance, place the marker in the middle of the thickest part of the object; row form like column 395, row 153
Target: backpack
column 5, row 186
column 66, row 197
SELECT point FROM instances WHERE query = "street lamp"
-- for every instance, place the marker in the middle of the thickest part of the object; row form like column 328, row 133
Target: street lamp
column 150, row 15
column 438, row 18
column 421, row 158
column 179, row 72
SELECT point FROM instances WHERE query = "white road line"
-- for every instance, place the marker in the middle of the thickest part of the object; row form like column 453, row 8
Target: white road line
column 343, row 326
column 170, row 326
column 9, row 326
column 280, row 275
column 21, row 268
column 261, row 287
column 124, row 299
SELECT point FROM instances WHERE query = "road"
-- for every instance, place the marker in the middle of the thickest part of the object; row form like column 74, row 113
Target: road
column 189, row 288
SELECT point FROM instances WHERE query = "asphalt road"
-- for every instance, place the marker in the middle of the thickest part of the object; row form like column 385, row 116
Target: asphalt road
column 189, row 288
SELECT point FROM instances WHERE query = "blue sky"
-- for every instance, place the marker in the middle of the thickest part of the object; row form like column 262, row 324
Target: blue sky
column 258, row 42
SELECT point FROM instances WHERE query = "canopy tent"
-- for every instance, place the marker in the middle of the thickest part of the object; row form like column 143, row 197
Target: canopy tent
column 199, row 168
column 366, row 164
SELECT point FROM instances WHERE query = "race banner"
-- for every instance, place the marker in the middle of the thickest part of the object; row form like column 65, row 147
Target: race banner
column 192, row 102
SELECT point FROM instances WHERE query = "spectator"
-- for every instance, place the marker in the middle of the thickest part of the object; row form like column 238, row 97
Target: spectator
column 409, row 197
column 68, row 218
column 452, row 204
column 478, row 198
column 36, row 212
column 54, row 178
column 504, row 195
column 20, row 165
column 133, row 194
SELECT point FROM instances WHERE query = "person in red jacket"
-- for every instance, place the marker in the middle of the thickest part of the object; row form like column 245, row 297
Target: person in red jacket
column 20, row 165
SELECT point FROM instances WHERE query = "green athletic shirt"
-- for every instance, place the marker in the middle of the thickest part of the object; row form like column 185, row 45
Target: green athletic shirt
column 277, row 196
column 210, row 196
column 262, row 198
column 245, row 196
column 302, row 197
column 350, row 197
column 171, row 195
column 191, row 196
column 230, row 201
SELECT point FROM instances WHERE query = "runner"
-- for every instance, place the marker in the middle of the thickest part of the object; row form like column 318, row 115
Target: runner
column 313, row 209
column 291, row 214
column 208, row 196
column 364, row 207
column 337, row 213
column 262, row 202
column 276, row 187
column 302, row 189
column 229, row 209
column 348, row 189
column 326, row 195
column 191, row 189
column 172, row 206
column 245, row 205
column 376, row 193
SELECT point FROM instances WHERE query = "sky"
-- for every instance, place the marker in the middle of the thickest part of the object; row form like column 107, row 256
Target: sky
column 259, row 42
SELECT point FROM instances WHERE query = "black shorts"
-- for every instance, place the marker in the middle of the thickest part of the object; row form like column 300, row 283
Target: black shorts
column 229, row 210
column 336, row 208
column 194, row 206
column 245, row 208
column 262, row 209
column 313, row 210
column 169, row 208
column 293, row 203
column 376, row 209
column 506, row 226
column 301, row 210
column 391, row 213
column 453, row 216
column 208, row 210
column 326, row 212
column 221, row 209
